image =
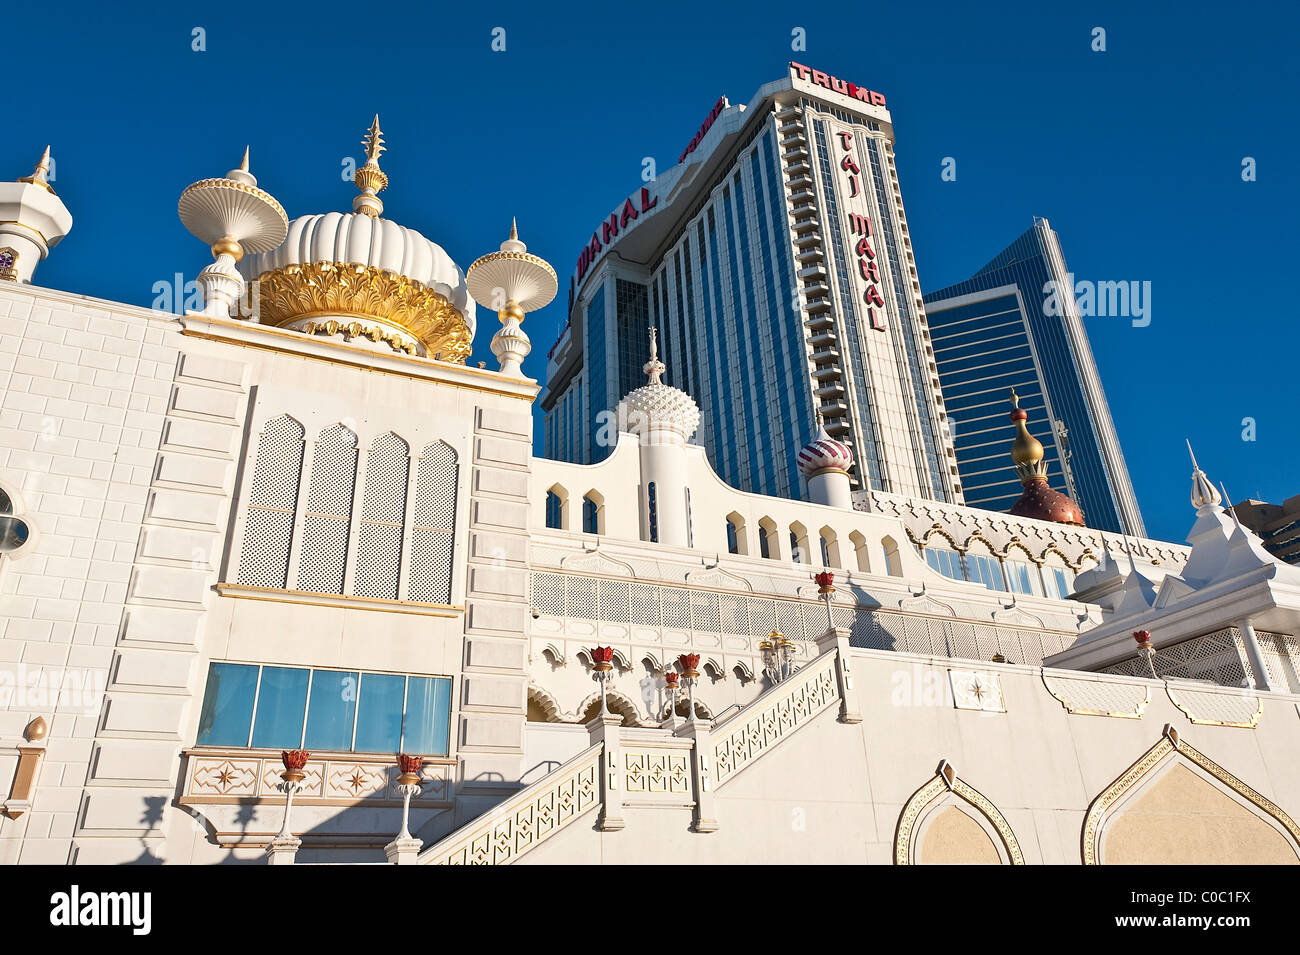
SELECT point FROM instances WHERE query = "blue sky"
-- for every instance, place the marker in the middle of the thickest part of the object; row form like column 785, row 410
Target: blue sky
column 1134, row 154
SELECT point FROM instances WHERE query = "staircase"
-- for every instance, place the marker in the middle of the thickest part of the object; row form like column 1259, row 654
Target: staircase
column 591, row 779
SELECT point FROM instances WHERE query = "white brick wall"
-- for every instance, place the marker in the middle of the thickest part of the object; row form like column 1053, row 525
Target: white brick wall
column 85, row 392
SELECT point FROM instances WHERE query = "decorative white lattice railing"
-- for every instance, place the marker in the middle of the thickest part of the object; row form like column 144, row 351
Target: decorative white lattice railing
column 672, row 772
column 777, row 713
column 526, row 819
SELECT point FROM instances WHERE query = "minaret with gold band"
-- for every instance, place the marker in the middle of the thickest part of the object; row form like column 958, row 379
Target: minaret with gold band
column 32, row 221
column 1039, row 500
column 512, row 281
column 234, row 217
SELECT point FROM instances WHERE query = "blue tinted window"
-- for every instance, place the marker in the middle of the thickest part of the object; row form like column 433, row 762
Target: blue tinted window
column 280, row 704
column 428, row 716
column 227, row 713
column 379, row 712
column 333, row 705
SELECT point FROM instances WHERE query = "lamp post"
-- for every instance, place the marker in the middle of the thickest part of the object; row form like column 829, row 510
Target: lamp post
column 690, row 662
column 778, row 656
column 826, row 588
column 670, row 685
column 285, row 845
column 1143, row 638
column 408, row 784
column 602, row 665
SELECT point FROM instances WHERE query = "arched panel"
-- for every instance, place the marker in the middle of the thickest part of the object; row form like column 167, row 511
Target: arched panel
column 328, row 516
column 383, row 512
column 434, row 525
column 272, row 498
column 1177, row 806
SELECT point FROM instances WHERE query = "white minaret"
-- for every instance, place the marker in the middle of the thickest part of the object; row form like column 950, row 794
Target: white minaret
column 32, row 221
column 233, row 216
column 514, row 282
column 663, row 418
column 824, row 463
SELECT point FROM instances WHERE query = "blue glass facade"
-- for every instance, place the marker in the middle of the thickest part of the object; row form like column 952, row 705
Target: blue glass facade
column 991, row 333
column 745, row 273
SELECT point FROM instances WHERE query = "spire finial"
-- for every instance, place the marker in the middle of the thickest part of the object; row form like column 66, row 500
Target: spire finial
column 373, row 140
column 818, row 420
column 1204, row 493
column 1232, row 508
column 41, row 174
column 1015, row 399
column 241, row 174
column 654, row 368
column 370, row 179
column 513, row 244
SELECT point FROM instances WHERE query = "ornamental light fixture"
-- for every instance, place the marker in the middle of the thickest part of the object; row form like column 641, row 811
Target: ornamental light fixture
column 690, row 663
column 1145, row 648
column 292, row 778
column 408, row 784
column 778, row 656
column 602, row 666
column 826, row 588
column 672, row 688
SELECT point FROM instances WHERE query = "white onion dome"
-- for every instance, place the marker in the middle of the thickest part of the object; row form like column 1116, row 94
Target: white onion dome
column 656, row 406
column 824, row 454
column 364, row 278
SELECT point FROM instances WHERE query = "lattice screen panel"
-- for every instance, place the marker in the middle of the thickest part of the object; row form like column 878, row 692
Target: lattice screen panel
column 379, row 539
column 434, row 520
column 273, row 495
column 328, row 519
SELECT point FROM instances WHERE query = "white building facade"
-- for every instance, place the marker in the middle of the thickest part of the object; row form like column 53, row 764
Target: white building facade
column 274, row 550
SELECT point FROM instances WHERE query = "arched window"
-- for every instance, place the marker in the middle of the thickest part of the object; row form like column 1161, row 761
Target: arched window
column 859, row 543
column 1022, row 575
column 799, row 544
column 433, row 525
column 893, row 560
column 328, row 517
column 383, row 510
column 272, row 499
column 767, row 539
column 555, row 502
column 830, row 547
column 945, row 560
column 736, row 542
column 983, row 567
column 593, row 512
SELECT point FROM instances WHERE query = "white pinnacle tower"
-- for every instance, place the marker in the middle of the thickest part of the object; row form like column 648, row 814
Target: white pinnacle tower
column 233, row 216
column 663, row 418
column 32, row 221
column 513, row 281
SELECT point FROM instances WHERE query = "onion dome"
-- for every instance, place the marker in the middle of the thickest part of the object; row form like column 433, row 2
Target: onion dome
column 658, row 407
column 1039, row 501
column 1204, row 493
column 824, row 455
column 365, row 278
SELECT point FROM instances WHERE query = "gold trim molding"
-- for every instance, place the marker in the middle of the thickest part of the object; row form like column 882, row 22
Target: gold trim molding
column 344, row 601
column 348, row 290
column 1170, row 744
column 945, row 781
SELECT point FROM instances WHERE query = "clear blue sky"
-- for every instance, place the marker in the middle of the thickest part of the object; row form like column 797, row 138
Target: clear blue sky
column 1134, row 155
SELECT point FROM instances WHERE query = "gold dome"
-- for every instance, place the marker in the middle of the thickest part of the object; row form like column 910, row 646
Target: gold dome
column 1039, row 501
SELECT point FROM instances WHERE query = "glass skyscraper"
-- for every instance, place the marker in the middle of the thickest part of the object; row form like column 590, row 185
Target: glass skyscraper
column 776, row 261
column 993, row 333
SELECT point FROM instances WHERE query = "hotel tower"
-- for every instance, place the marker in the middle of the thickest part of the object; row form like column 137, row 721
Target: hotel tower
column 775, row 260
